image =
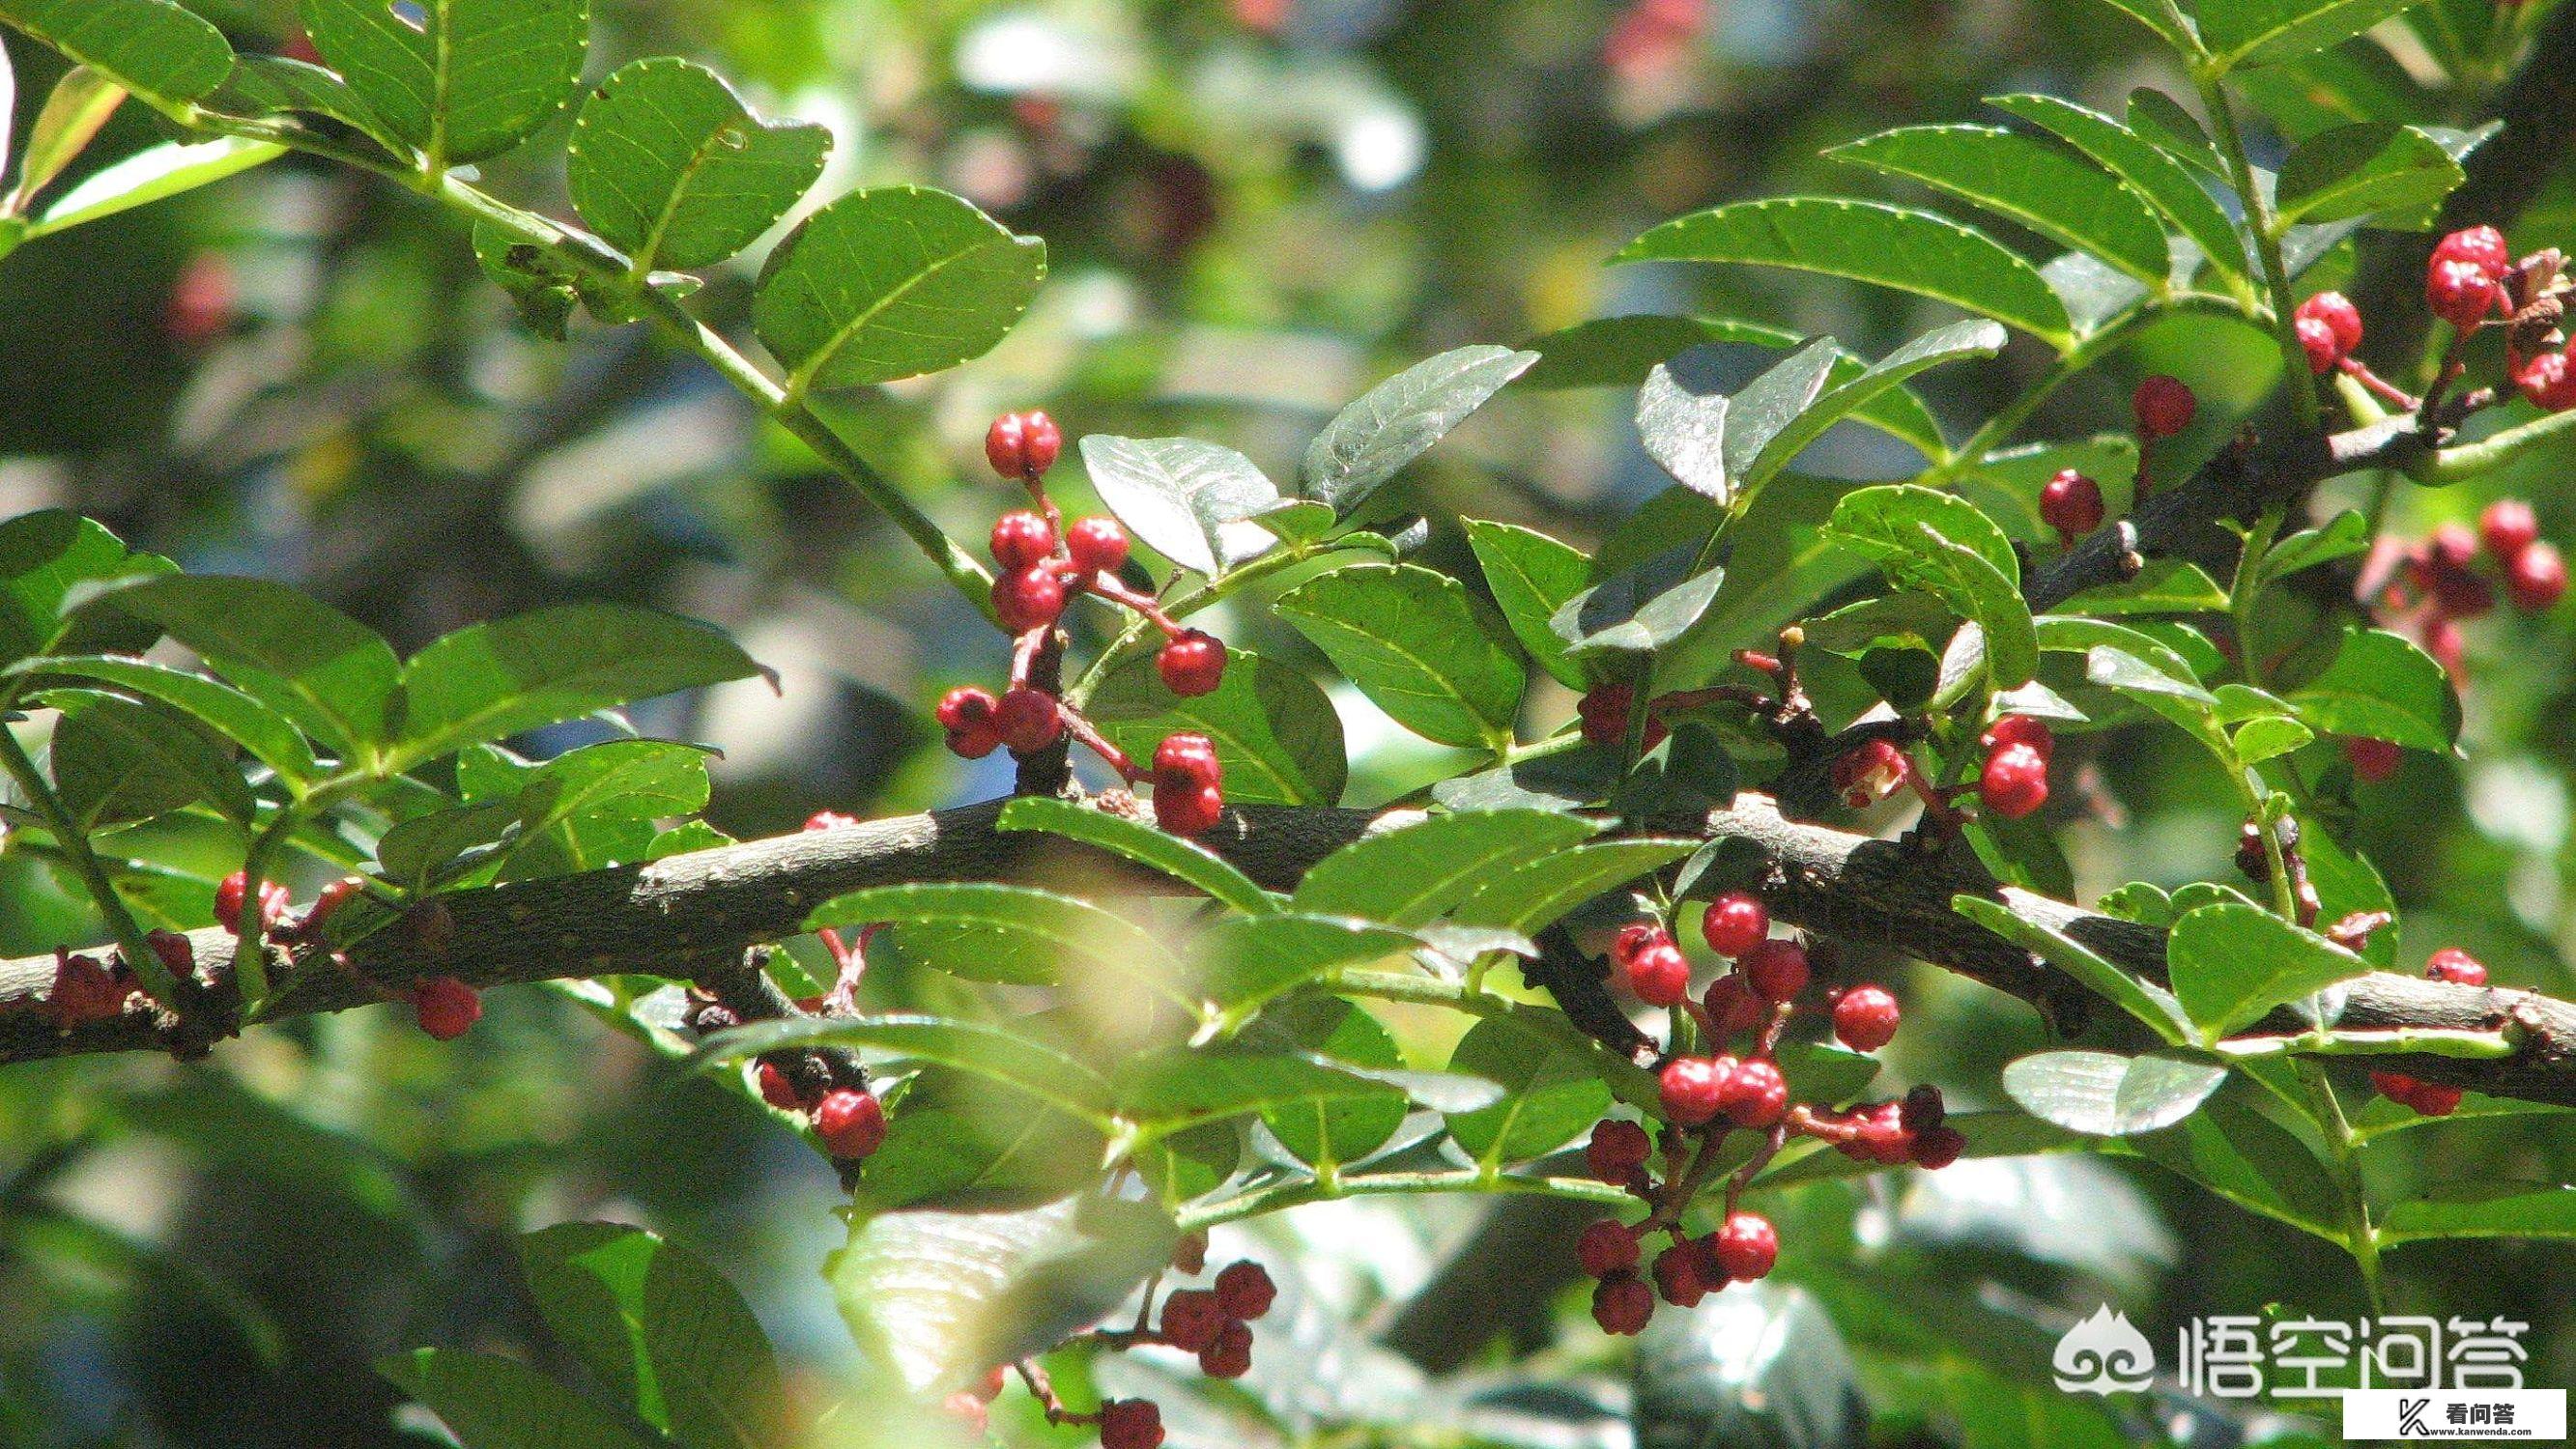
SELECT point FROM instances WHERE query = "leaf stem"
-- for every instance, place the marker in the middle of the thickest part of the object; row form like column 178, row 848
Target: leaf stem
column 2267, row 246
column 1467, row 1179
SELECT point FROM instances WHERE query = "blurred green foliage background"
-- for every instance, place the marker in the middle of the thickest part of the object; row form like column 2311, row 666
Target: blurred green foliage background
column 1254, row 209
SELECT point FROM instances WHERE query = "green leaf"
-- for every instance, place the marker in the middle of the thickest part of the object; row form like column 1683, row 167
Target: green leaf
column 1846, row 397
column 2345, row 534
column 2027, row 181
column 79, row 104
column 661, row 1327
column 150, row 47
column 1684, row 430
column 1251, row 959
column 1687, row 774
column 1343, row 1130
column 1530, row 898
column 2155, row 173
column 2164, row 586
column 2232, row 964
column 988, row 932
column 1824, row 1073
column 2382, row 687
column 226, row 710
column 2103, row 1095
column 490, row 1402
column 2270, row 738
column 469, row 80
column 2073, row 634
column 988, row 1052
column 153, row 175
column 2164, row 20
column 1278, row 739
column 670, row 167
column 1408, row 638
column 263, row 87
column 2483, row 1210
column 115, row 761
column 1550, row 1095
column 1912, row 251
column 2362, row 170
column 936, row 1298
column 1398, row 420
column 52, row 563
column 892, row 282
column 1531, row 576
column 1565, row 779
column 1179, row 1085
column 1413, row 875
column 2238, row 1153
column 1921, row 538
column 332, row 675
column 491, row 681
column 2160, row 119
column 1191, row 502
column 414, row 852
column 1765, row 408
column 1625, row 351
column 1183, row 860
column 2142, row 999
column 1639, row 610
column 592, row 806
column 2259, row 32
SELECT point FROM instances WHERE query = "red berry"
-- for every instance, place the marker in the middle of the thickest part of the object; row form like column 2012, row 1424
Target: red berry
column 776, row 1089
column 1693, row 1088
column 1937, row 1147
column 851, row 1123
column 1191, row 1319
column 2317, row 341
column 1022, row 539
column 1622, row 1305
column 1192, row 665
column 1188, row 798
column 1735, row 924
column 2372, row 760
column 1606, row 1248
column 176, row 952
column 2164, row 406
column 1677, row 1273
column 1188, row 812
column 2430, row 1099
column 1883, row 1136
column 2341, row 319
column 1732, row 1004
column 1186, row 758
column 2448, row 646
column 1747, row 1246
column 2508, row 527
column 1660, row 974
column 445, row 1007
column 1189, row 1255
column 202, row 301
column 273, row 901
column 969, row 1408
column 2453, row 964
column 2015, row 781
column 1866, row 1018
column 1756, row 1094
column 1776, row 970
column 1033, row 598
column 2460, row 293
column 331, row 898
column 1130, row 1424
column 1097, row 545
column 1604, row 712
column 1244, row 1291
column 1230, row 1356
column 2071, row 503
column 1028, row 720
column 2018, row 729
column 2482, row 247
column 1618, row 1148
column 2537, row 578
column 968, row 716
column 1870, row 773
column 1022, row 446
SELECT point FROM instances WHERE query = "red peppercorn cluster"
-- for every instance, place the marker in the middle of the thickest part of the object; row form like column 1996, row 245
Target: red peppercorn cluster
column 1214, row 1322
column 2162, row 407
column 849, row 1121
column 2432, row 1099
column 1733, row 1083
column 2430, row 587
column 2012, row 783
column 1044, row 563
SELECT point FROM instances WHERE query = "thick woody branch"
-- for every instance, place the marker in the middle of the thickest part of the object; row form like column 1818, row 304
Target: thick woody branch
column 692, row 916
